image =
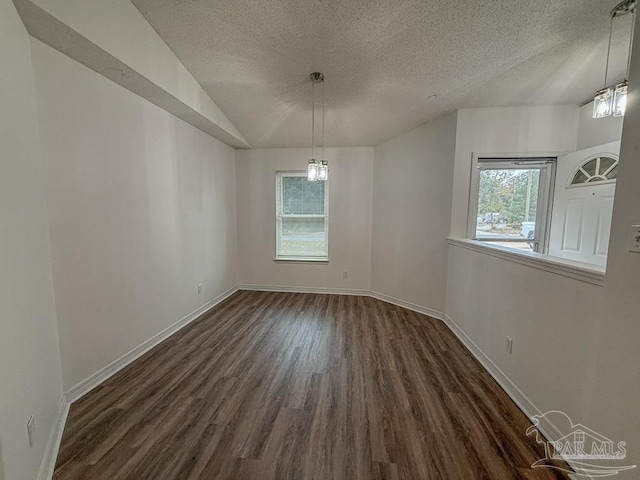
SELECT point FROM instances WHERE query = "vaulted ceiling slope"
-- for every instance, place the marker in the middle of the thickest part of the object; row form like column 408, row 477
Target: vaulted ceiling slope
column 389, row 65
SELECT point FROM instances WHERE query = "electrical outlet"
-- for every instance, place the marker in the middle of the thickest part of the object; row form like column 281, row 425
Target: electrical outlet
column 31, row 430
column 508, row 345
column 345, row 274
column 634, row 238
column 199, row 288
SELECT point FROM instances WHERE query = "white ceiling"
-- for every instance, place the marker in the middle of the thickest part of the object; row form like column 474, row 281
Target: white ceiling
column 384, row 60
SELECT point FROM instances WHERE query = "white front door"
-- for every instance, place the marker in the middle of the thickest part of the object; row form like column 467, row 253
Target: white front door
column 583, row 204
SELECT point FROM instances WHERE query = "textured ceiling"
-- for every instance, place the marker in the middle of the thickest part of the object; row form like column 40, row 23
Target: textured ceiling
column 385, row 60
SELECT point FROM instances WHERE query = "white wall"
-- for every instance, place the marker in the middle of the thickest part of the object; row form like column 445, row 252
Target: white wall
column 552, row 319
column 596, row 131
column 513, row 130
column 2, row 477
column 30, row 378
column 350, row 187
column 413, row 176
column 142, row 209
column 616, row 384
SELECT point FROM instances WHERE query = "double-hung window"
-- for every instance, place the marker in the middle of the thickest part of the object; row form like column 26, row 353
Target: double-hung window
column 511, row 200
column 301, row 218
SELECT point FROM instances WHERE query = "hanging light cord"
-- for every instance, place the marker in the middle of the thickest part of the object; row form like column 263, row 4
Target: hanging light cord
column 322, row 151
column 606, row 69
column 633, row 28
column 313, row 117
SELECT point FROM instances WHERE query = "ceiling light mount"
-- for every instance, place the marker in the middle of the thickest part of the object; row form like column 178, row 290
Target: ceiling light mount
column 317, row 77
column 624, row 7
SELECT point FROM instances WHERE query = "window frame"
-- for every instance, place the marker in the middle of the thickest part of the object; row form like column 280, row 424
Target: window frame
column 598, row 156
column 547, row 166
column 280, row 175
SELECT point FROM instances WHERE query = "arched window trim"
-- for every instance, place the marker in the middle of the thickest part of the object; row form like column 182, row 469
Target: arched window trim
column 597, row 172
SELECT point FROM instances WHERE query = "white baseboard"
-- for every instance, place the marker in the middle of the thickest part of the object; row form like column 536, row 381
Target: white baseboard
column 48, row 463
column 411, row 306
column 82, row 388
column 520, row 399
column 507, row 385
column 320, row 290
column 346, row 291
column 85, row 386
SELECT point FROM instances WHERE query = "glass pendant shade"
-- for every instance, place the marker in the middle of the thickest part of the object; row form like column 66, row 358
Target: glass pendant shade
column 603, row 103
column 323, row 171
column 620, row 100
column 312, row 170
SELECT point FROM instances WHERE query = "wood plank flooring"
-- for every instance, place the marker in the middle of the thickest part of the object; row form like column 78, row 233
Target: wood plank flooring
column 301, row 386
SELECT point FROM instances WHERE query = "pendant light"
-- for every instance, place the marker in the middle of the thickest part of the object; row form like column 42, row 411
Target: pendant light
column 312, row 169
column 612, row 100
column 602, row 103
column 317, row 169
column 323, row 172
column 620, row 99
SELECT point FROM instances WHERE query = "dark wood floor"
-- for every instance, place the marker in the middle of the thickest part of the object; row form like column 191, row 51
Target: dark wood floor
column 301, row 386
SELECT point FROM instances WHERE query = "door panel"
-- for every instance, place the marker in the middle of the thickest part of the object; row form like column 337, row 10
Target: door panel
column 572, row 231
column 604, row 226
column 581, row 215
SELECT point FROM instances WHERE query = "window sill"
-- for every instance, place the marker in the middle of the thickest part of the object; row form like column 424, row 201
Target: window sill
column 577, row 270
column 301, row 260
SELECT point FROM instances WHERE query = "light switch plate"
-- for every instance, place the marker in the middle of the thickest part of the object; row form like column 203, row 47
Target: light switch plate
column 634, row 238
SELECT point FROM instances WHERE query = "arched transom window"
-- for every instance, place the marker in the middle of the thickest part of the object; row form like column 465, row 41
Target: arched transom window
column 599, row 168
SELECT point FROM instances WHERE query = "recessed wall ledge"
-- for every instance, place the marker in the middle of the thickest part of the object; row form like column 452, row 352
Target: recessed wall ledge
column 583, row 272
column 174, row 91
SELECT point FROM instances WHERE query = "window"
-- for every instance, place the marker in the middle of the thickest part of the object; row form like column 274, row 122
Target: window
column 601, row 168
column 510, row 201
column 301, row 218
